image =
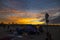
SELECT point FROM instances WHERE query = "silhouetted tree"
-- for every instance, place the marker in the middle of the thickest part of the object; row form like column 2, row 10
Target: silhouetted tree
column 46, row 18
column 1, row 23
column 12, row 22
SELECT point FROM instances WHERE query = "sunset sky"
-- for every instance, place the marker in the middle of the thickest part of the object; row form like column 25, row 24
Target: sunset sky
column 16, row 10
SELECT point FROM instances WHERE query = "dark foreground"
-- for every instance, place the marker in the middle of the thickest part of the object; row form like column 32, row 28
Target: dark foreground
column 42, row 32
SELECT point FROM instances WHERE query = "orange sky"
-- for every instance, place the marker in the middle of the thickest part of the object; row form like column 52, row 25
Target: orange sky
column 19, row 17
column 28, row 17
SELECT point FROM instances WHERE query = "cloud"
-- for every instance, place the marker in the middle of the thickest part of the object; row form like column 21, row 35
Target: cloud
column 14, row 10
column 55, row 18
column 13, row 15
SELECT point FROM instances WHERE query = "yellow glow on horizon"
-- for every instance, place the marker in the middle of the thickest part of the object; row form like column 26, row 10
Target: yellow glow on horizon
column 29, row 21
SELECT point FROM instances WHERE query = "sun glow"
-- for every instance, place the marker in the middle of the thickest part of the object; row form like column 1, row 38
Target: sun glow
column 33, row 21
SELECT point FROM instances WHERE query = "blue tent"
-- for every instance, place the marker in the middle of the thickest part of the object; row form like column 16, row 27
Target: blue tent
column 30, row 28
column 19, row 30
